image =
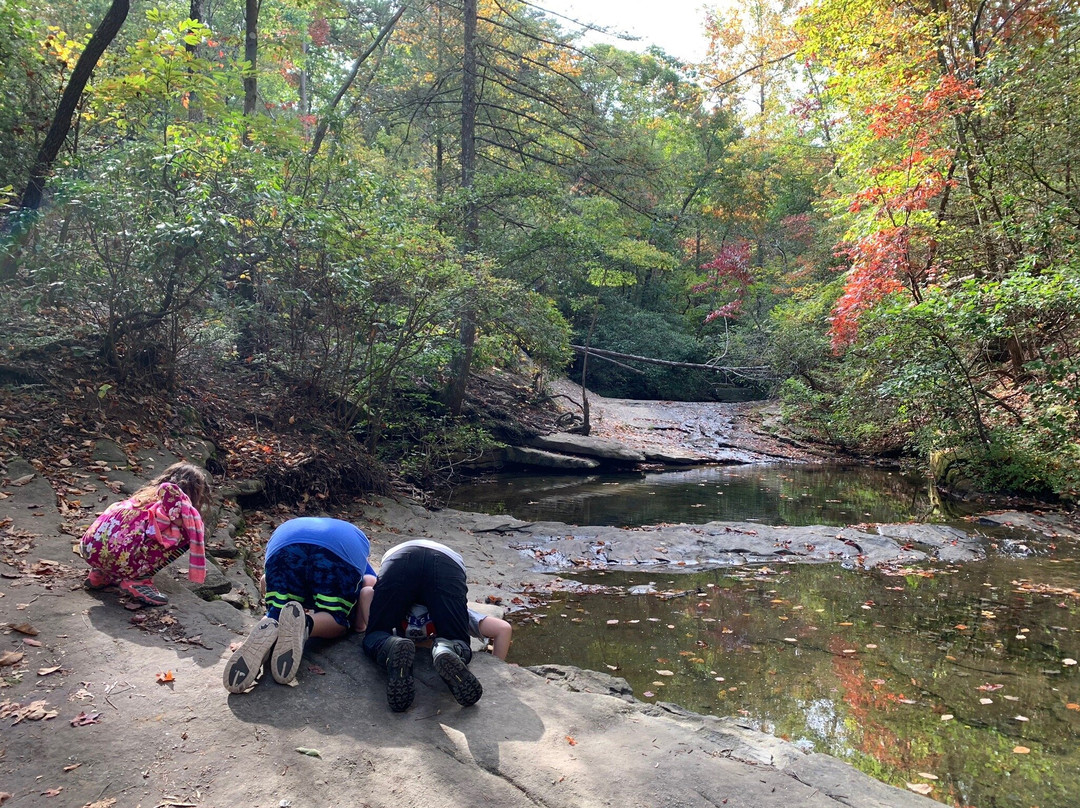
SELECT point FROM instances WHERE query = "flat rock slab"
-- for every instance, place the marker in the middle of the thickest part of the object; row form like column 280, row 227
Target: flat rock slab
column 117, row 731
column 714, row 544
column 129, row 706
column 603, row 448
column 29, row 501
column 1051, row 525
column 526, row 456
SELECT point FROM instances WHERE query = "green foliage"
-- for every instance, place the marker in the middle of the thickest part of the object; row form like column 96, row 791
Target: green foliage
column 426, row 444
column 625, row 328
column 180, row 232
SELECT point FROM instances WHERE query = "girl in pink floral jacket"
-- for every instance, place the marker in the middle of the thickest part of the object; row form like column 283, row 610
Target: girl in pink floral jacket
column 134, row 539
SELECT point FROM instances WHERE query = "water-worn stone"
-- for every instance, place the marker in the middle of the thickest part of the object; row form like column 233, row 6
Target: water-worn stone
column 525, row 456
column 588, row 446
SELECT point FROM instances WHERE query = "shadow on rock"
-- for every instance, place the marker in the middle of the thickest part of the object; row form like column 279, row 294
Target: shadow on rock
column 340, row 692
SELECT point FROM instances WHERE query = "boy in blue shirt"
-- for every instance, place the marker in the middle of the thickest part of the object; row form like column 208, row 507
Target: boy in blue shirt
column 317, row 577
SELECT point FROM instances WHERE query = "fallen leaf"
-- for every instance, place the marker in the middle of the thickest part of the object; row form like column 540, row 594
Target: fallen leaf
column 1021, row 750
column 23, row 480
column 1068, row 661
column 47, row 671
column 666, row 673
column 947, row 717
column 920, row 788
column 986, row 701
column 165, row 677
column 570, row 740
column 34, row 711
column 1021, row 718
column 612, row 622
column 303, row 750
column 1072, row 705
column 32, row 642
column 316, row 670
column 72, row 767
column 52, row 792
column 25, row 628
column 928, row 776
column 989, row 688
column 84, row 718
column 648, row 694
column 11, row 658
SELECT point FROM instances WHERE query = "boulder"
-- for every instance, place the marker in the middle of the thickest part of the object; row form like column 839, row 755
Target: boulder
column 587, row 446
column 524, row 456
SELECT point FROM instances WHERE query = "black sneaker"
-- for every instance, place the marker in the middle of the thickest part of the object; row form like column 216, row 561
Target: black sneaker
column 398, row 654
column 244, row 665
column 289, row 648
column 466, row 688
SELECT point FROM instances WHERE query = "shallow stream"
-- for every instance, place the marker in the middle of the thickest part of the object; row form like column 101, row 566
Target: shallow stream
column 956, row 681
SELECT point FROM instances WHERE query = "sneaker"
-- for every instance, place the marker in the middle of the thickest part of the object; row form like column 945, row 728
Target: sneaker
column 398, row 654
column 244, row 665
column 96, row 579
column 465, row 687
column 289, row 648
column 144, row 592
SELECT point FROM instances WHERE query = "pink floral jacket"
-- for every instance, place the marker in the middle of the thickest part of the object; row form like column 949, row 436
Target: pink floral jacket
column 169, row 520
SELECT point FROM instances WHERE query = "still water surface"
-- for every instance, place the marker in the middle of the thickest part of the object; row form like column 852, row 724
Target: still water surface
column 773, row 494
column 961, row 678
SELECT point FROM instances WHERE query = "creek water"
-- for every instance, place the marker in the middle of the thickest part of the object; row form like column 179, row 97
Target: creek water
column 773, row 494
column 958, row 680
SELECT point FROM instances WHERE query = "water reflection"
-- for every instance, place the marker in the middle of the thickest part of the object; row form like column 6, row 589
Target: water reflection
column 774, row 494
column 950, row 672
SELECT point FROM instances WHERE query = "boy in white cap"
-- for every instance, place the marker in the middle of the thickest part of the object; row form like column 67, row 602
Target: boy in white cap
column 426, row 572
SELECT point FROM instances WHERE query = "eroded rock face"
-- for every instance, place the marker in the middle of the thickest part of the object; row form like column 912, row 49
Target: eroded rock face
column 588, row 446
column 526, row 456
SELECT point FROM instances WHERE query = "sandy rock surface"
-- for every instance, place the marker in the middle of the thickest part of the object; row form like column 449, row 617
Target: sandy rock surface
column 104, row 706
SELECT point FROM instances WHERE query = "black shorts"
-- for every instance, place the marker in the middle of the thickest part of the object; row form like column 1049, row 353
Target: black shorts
column 316, row 578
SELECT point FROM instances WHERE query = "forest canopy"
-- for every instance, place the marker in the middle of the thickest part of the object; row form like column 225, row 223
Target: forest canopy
column 865, row 209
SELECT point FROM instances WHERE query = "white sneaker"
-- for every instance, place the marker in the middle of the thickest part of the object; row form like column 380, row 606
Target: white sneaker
column 289, row 649
column 244, row 665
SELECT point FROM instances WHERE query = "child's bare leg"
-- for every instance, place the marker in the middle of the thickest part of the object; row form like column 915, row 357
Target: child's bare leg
column 499, row 632
column 363, row 604
column 363, row 608
column 324, row 625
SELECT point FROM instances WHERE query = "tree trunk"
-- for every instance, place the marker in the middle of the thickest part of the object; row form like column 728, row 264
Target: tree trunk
column 459, row 371
column 251, row 54
column 107, row 30
column 195, row 12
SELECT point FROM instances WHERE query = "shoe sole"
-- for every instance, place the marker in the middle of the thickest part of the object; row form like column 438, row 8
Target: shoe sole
column 400, row 688
column 289, row 648
column 146, row 599
column 466, row 688
column 244, row 665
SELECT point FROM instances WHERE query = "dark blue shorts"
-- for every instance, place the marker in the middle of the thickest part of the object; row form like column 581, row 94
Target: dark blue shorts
column 315, row 577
